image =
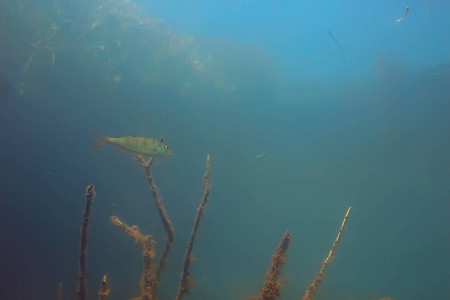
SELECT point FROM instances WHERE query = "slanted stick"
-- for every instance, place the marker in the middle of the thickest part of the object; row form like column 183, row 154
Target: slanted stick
column 272, row 284
column 167, row 224
column 186, row 279
column 318, row 278
column 104, row 291
column 81, row 291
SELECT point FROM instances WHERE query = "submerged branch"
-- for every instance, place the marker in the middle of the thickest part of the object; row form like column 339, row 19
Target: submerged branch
column 81, row 291
column 104, row 291
column 59, row 291
column 167, row 224
column 147, row 292
column 318, row 278
column 272, row 285
column 131, row 231
column 186, row 278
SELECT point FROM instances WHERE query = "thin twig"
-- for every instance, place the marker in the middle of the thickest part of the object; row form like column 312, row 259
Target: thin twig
column 81, row 291
column 167, row 224
column 186, row 278
column 318, row 278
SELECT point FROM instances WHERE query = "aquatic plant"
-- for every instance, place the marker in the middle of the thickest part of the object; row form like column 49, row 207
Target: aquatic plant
column 117, row 40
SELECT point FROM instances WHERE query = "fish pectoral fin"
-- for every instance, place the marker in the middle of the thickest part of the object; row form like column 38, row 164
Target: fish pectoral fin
column 144, row 154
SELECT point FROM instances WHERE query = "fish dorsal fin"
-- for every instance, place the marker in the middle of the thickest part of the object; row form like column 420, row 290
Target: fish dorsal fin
column 132, row 135
column 162, row 139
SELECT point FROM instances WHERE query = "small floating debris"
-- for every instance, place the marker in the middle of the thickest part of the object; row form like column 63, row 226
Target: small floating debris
column 404, row 16
column 260, row 155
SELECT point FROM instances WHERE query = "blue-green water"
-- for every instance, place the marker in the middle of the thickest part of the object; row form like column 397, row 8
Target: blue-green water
column 305, row 108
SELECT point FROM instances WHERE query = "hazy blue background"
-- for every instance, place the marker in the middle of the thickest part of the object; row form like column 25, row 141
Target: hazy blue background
column 371, row 132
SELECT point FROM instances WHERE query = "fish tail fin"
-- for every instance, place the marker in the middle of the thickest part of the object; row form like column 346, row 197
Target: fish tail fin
column 99, row 140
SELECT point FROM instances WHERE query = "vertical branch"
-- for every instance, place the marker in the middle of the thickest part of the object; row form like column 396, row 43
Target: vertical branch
column 81, row 291
column 167, row 224
column 59, row 291
column 318, row 278
column 104, row 291
column 273, row 284
column 186, row 279
column 147, row 278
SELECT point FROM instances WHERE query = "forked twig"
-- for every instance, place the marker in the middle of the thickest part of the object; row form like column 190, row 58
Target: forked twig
column 148, row 245
column 167, row 224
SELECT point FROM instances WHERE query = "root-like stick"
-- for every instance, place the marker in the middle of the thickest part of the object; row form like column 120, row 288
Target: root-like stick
column 186, row 279
column 104, row 291
column 273, row 284
column 318, row 278
column 167, row 224
column 147, row 243
column 81, row 291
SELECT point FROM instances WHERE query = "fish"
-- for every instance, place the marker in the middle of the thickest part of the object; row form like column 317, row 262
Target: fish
column 336, row 41
column 404, row 16
column 137, row 144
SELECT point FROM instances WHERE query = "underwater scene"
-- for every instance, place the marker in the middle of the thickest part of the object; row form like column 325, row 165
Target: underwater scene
column 267, row 150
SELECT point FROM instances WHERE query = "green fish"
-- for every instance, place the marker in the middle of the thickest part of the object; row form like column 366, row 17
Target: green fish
column 138, row 144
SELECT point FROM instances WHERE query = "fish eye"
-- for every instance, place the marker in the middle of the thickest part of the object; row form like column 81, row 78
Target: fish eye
column 167, row 148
